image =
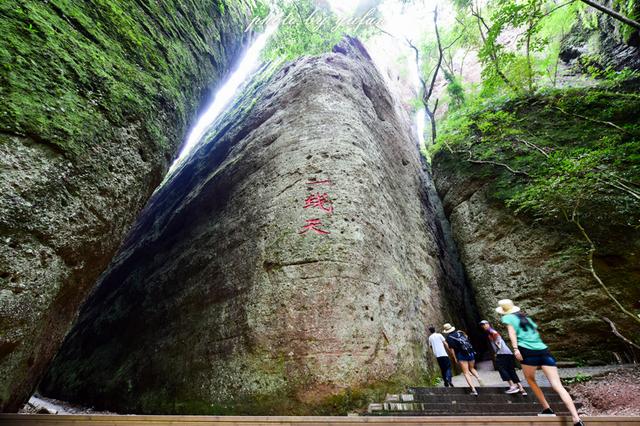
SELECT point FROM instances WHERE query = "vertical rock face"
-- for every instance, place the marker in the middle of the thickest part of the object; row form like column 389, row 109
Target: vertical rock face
column 95, row 99
column 291, row 262
column 539, row 266
column 609, row 43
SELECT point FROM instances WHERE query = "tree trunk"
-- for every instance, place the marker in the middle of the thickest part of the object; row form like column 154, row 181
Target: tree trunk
column 432, row 119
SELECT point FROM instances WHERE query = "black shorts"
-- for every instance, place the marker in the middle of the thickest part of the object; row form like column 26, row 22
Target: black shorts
column 537, row 358
column 506, row 366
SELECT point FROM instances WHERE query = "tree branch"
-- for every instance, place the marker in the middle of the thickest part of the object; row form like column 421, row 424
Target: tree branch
column 427, row 92
column 532, row 145
column 304, row 25
column 492, row 53
column 383, row 31
column 615, row 331
column 495, row 163
column 453, row 42
column 592, row 249
column 593, row 120
column 621, row 186
column 440, row 54
column 417, row 55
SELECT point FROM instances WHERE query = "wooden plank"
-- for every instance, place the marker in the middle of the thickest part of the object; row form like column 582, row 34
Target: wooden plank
column 148, row 420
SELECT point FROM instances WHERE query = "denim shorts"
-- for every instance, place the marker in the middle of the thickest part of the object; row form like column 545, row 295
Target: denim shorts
column 537, row 357
column 465, row 357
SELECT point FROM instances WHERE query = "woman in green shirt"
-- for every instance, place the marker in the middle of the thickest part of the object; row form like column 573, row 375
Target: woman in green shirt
column 532, row 353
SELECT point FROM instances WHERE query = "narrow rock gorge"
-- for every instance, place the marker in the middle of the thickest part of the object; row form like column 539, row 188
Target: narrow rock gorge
column 290, row 266
column 96, row 97
column 293, row 260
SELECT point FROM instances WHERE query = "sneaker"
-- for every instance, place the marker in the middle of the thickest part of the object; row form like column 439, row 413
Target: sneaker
column 547, row 412
column 451, row 384
column 524, row 393
column 512, row 390
column 474, row 393
column 579, row 423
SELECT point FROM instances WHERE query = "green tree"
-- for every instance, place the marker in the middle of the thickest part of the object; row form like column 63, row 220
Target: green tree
column 308, row 29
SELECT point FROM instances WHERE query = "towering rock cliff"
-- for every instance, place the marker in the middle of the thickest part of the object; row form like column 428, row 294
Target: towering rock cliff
column 96, row 96
column 541, row 263
column 289, row 266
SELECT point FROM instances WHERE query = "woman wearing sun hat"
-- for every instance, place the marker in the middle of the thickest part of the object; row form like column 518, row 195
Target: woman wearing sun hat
column 532, row 353
column 462, row 352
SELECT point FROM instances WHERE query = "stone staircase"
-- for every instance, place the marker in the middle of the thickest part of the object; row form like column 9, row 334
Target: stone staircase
column 491, row 401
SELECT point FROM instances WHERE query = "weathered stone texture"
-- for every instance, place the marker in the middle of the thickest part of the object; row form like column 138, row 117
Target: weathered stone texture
column 218, row 304
column 96, row 96
column 541, row 267
column 609, row 44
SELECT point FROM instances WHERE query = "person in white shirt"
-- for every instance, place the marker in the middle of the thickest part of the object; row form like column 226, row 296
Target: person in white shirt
column 440, row 349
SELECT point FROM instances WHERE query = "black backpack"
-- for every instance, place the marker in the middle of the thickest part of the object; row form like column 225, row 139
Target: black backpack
column 461, row 343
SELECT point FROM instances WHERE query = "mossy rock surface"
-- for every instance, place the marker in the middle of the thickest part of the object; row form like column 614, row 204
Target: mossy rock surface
column 602, row 42
column 95, row 98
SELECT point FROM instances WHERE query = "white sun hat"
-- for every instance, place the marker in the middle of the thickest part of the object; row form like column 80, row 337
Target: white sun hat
column 506, row 307
column 448, row 328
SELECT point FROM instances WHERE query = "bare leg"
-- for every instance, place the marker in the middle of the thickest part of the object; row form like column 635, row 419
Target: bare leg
column 530, row 374
column 556, row 384
column 472, row 369
column 464, row 365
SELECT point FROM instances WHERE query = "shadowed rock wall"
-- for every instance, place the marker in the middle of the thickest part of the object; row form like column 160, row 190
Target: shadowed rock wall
column 606, row 42
column 244, row 289
column 95, row 98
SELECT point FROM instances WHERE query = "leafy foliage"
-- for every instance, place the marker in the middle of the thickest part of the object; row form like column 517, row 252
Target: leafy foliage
column 578, row 378
column 518, row 41
column 307, row 29
column 549, row 154
column 578, row 151
column 455, row 90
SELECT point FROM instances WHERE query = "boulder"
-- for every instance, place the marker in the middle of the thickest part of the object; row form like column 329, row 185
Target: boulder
column 290, row 266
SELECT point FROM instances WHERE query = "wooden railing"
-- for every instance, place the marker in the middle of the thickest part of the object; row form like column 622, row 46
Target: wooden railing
column 144, row 420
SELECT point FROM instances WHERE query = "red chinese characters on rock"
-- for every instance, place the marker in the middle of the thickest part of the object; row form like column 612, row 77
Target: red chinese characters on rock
column 317, row 201
column 320, row 201
column 312, row 225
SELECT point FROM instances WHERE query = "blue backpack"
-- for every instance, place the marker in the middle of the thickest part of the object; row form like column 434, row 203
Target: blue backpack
column 461, row 343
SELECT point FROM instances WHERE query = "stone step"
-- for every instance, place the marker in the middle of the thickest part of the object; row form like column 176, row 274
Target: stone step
column 470, row 409
column 404, row 406
column 480, row 415
column 484, row 398
column 464, row 390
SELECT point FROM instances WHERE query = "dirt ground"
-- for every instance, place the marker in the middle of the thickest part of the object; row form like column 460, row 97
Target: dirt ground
column 615, row 393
